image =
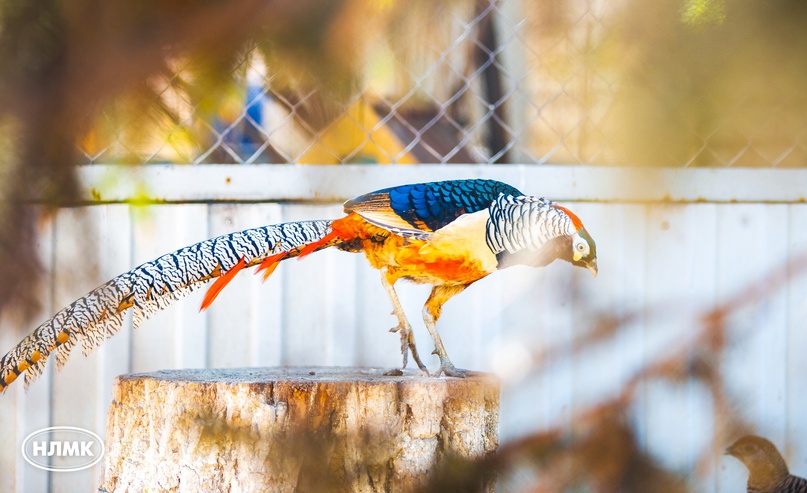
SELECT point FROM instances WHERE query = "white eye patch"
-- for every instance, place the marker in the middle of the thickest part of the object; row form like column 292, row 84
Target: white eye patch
column 580, row 248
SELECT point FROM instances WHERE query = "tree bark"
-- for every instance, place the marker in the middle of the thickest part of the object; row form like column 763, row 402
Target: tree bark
column 293, row 429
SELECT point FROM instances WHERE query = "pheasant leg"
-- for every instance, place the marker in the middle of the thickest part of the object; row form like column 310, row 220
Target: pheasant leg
column 431, row 312
column 403, row 327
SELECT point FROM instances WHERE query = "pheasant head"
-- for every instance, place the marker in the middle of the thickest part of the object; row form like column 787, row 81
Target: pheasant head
column 765, row 464
column 534, row 231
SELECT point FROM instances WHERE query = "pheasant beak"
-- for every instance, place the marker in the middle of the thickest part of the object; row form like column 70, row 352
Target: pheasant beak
column 592, row 266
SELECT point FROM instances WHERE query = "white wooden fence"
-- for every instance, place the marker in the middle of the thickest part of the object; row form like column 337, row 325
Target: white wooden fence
column 678, row 239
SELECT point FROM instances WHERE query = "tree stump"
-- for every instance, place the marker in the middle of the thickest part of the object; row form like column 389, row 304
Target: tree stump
column 293, row 429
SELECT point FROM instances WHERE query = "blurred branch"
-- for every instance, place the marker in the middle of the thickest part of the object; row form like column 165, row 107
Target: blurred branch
column 598, row 448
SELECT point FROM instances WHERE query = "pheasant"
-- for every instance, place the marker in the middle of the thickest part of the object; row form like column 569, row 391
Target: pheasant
column 767, row 470
column 448, row 234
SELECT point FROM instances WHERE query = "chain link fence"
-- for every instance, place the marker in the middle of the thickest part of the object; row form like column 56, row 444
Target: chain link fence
column 507, row 81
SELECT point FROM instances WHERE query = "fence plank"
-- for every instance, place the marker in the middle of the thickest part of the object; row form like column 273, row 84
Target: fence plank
column 752, row 241
column 177, row 336
column 23, row 412
column 680, row 271
column 228, row 183
column 701, row 290
column 244, row 323
column 376, row 346
column 795, row 446
column 312, row 289
column 92, row 245
column 666, row 287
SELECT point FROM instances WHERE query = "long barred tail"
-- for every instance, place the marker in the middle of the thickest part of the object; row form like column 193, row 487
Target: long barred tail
column 148, row 288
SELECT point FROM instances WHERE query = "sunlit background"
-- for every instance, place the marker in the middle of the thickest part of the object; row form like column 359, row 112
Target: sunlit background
column 686, row 339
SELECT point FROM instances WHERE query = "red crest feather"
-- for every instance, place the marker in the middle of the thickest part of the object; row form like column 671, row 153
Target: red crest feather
column 576, row 222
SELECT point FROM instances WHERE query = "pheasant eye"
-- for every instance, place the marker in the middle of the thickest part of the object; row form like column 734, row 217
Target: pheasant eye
column 580, row 247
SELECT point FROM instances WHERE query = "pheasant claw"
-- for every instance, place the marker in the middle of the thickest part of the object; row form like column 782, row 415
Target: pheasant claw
column 448, row 369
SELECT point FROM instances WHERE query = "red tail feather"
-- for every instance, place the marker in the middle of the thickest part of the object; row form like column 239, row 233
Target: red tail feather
column 312, row 247
column 270, row 263
column 220, row 283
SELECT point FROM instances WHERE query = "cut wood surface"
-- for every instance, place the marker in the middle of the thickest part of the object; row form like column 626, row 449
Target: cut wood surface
column 293, row 429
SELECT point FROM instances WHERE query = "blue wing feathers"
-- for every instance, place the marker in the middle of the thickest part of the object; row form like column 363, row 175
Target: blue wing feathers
column 430, row 206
